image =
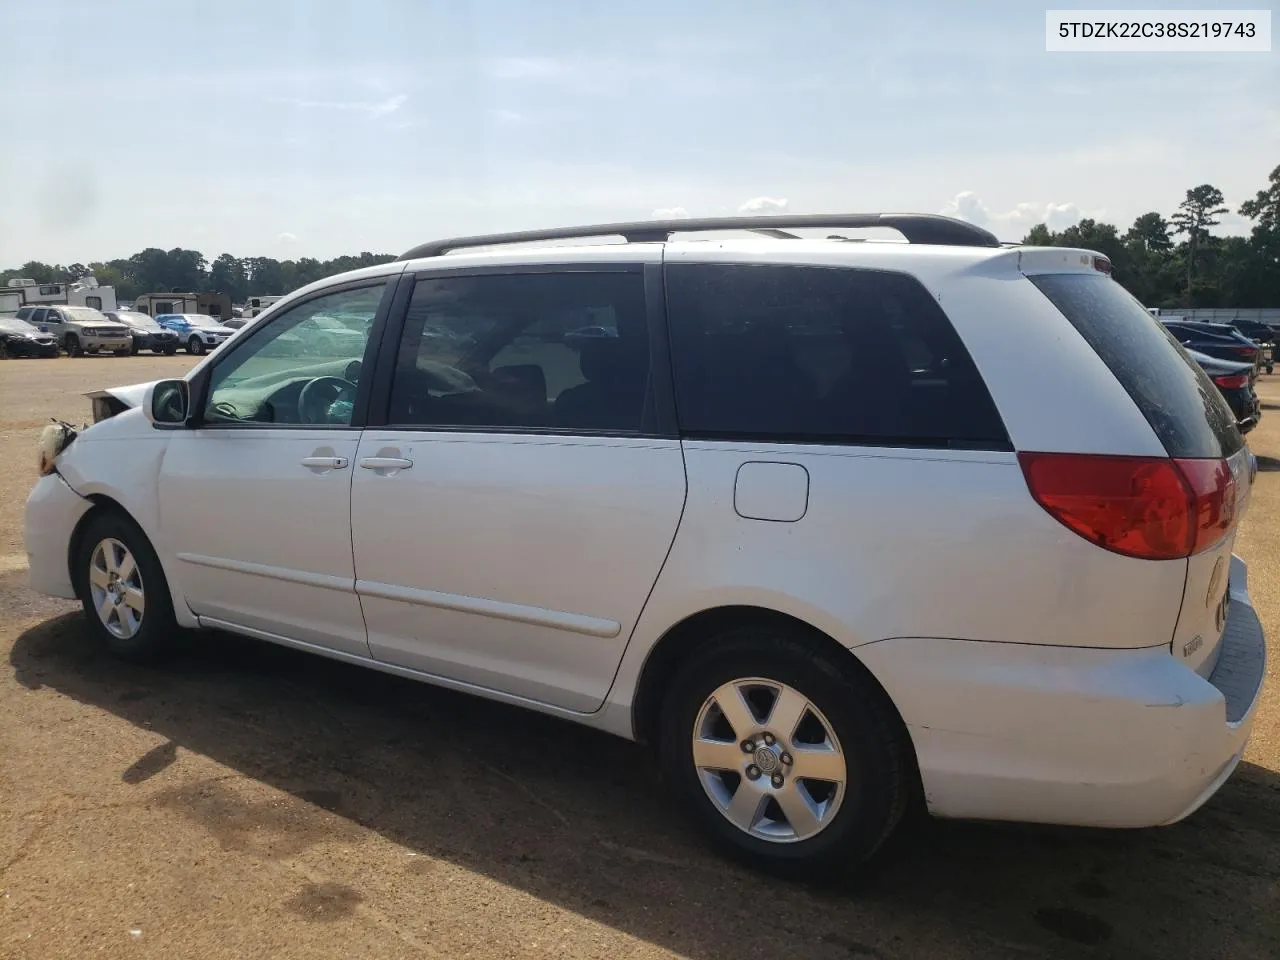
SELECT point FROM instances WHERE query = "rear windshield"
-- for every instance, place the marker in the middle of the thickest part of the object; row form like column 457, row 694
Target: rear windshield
column 1178, row 399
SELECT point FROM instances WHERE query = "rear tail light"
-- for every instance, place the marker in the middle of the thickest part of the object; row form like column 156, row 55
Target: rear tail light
column 1249, row 352
column 1232, row 381
column 1147, row 507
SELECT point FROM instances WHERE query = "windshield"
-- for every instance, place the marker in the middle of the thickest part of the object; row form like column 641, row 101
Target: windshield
column 200, row 320
column 11, row 324
column 139, row 320
column 85, row 315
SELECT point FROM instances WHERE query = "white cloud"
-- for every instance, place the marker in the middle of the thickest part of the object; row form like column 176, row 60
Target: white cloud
column 509, row 117
column 763, row 205
column 389, row 105
column 374, row 109
column 967, row 205
column 287, row 237
column 526, row 68
column 670, row 213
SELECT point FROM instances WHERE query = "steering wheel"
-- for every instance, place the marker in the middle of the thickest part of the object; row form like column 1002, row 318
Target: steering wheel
column 318, row 395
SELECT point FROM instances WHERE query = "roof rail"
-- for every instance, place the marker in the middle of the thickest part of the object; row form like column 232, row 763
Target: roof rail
column 926, row 228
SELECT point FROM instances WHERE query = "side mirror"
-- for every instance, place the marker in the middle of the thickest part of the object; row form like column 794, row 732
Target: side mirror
column 168, row 403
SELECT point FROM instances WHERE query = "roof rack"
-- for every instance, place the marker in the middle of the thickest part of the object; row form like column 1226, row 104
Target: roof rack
column 925, row 228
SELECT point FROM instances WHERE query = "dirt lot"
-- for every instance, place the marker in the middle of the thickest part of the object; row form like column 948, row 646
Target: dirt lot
column 248, row 801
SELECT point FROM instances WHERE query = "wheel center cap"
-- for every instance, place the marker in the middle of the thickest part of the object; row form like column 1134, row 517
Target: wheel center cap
column 766, row 759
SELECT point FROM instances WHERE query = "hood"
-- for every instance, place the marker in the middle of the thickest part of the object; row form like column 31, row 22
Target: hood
column 113, row 400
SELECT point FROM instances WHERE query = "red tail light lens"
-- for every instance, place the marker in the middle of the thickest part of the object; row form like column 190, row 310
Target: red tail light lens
column 1147, row 507
column 1233, row 381
column 1250, row 352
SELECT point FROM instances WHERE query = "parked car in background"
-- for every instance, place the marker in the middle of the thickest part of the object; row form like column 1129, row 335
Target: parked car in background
column 146, row 333
column 197, row 332
column 1235, row 381
column 1216, row 340
column 336, row 339
column 698, row 533
column 80, row 330
column 20, row 339
column 1262, row 334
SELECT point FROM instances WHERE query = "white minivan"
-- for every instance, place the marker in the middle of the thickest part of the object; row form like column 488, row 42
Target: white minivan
column 831, row 524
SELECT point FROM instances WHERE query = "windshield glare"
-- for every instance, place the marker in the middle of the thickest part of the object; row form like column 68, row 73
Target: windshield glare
column 85, row 315
column 140, row 320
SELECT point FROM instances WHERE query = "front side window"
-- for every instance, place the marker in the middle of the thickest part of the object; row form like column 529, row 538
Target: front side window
column 817, row 354
column 287, row 372
column 543, row 351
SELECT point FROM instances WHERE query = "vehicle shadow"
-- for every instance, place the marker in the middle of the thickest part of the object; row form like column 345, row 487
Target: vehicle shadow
column 579, row 819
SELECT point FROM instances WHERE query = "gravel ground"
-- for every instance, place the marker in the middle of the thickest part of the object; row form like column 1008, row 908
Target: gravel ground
column 248, row 801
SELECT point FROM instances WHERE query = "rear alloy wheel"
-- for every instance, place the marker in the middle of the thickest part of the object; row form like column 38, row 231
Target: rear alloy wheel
column 74, row 349
column 791, row 760
column 123, row 589
column 195, row 346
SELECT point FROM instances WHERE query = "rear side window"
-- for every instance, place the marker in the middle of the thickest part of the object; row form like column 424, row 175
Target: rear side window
column 821, row 355
column 1178, row 399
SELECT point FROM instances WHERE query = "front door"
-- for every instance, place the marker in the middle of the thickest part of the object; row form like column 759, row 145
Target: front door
column 510, row 519
column 255, row 501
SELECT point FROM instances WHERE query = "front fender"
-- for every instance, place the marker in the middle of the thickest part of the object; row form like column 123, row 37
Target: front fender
column 120, row 460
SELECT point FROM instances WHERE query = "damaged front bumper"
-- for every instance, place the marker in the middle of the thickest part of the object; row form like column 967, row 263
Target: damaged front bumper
column 53, row 510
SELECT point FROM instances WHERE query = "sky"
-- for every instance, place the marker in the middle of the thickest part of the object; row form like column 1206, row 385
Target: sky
column 291, row 128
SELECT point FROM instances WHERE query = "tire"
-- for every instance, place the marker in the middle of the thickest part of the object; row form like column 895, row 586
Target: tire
column 74, row 349
column 124, row 353
column 195, row 346
column 838, row 829
column 134, row 348
column 170, row 351
column 101, row 546
column 4, row 350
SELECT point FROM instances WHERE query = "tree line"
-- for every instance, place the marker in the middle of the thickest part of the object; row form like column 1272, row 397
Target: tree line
column 1169, row 261
column 1177, row 262
column 181, row 271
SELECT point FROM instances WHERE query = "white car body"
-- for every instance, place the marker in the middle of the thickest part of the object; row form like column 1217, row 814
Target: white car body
column 1040, row 678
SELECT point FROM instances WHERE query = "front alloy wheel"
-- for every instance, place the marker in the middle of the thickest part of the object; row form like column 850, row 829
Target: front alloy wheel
column 769, row 760
column 123, row 589
column 115, row 586
column 195, row 346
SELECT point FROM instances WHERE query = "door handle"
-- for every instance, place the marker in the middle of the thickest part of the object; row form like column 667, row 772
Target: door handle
column 386, row 463
column 324, row 463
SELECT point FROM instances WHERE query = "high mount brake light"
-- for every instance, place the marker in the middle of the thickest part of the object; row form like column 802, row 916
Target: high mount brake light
column 1147, row 507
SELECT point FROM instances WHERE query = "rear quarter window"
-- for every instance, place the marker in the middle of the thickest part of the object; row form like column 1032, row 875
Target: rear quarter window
column 1178, row 399
column 801, row 354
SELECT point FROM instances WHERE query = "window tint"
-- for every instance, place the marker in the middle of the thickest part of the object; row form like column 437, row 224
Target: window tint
column 39, row 316
column 95, row 302
column 815, row 354
column 1180, row 402
column 295, row 370
column 548, row 351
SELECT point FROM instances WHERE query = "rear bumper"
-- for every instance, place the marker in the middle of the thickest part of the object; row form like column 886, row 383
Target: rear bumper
column 1077, row 736
column 52, row 512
